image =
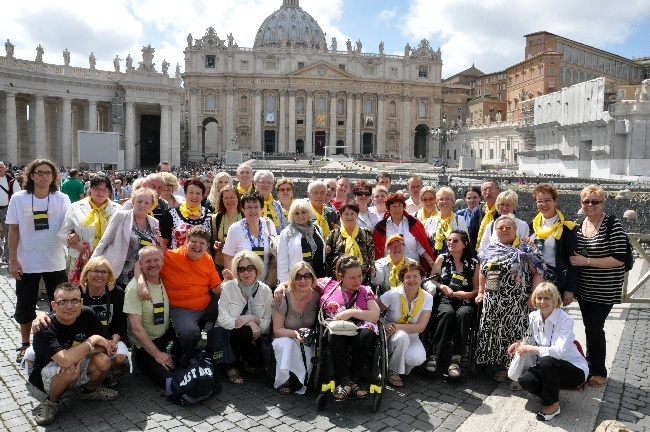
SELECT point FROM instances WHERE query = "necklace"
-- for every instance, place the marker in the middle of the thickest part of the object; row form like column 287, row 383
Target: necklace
column 595, row 228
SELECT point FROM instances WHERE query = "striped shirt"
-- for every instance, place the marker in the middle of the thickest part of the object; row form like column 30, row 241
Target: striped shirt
column 602, row 285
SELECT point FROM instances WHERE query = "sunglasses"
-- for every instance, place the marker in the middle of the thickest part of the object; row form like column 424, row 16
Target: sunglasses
column 300, row 276
column 248, row 268
column 504, row 228
column 363, row 194
column 592, row 202
column 455, row 240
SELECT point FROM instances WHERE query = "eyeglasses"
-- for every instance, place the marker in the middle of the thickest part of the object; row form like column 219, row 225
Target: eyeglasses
column 248, row 268
column 101, row 190
column 253, row 208
column 264, row 183
column 99, row 272
column 43, row 173
column 73, row 302
column 592, row 202
column 504, row 228
column 285, row 190
column 453, row 240
column 300, row 276
column 362, row 193
column 547, row 200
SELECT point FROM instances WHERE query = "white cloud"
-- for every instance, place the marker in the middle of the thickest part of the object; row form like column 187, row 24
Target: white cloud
column 492, row 31
column 386, row 16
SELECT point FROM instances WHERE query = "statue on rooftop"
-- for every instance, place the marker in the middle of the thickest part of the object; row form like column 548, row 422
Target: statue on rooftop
column 381, row 48
column 39, row 53
column 359, row 45
column 349, row 45
column 129, row 63
column 116, row 63
column 231, row 39
column 407, row 50
column 334, row 45
column 9, row 47
column 178, row 70
column 92, row 60
column 165, row 67
column 66, row 57
column 189, row 40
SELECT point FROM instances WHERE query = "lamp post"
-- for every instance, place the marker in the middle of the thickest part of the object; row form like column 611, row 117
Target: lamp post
column 444, row 134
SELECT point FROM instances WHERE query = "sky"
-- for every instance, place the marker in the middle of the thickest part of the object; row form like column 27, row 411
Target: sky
column 486, row 33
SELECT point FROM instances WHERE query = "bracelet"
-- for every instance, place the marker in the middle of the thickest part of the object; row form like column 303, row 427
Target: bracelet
column 588, row 262
column 90, row 346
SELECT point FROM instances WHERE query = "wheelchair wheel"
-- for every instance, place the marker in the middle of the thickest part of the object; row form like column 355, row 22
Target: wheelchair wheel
column 376, row 402
column 321, row 402
column 318, row 356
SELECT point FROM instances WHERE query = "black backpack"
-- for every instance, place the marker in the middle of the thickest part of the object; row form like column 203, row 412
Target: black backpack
column 193, row 384
column 629, row 256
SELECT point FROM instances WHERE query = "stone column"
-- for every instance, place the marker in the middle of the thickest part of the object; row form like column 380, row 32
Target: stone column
column 405, row 145
column 332, row 133
column 381, row 124
column 194, row 126
column 66, row 131
column 309, row 121
column 282, row 123
column 11, row 128
column 165, row 144
column 348, row 122
column 40, row 150
column 230, row 116
column 292, row 121
column 129, row 136
column 357, row 123
column 92, row 115
column 175, row 157
column 257, row 122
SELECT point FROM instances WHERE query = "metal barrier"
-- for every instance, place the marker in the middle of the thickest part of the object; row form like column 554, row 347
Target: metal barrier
column 636, row 240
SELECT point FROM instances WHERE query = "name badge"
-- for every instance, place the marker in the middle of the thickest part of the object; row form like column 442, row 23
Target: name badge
column 40, row 220
column 158, row 313
column 493, row 278
column 456, row 282
column 259, row 251
column 144, row 243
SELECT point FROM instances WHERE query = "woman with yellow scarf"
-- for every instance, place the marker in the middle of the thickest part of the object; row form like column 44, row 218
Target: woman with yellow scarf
column 556, row 238
column 408, row 309
column 87, row 219
column 428, row 200
column 351, row 240
column 178, row 220
column 442, row 223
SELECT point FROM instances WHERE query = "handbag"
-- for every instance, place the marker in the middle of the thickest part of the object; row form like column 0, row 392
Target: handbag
column 521, row 363
column 82, row 259
column 271, row 278
column 193, row 384
column 218, row 347
column 340, row 327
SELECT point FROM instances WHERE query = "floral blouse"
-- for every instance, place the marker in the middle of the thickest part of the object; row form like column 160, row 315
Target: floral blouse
column 457, row 281
column 334, row 300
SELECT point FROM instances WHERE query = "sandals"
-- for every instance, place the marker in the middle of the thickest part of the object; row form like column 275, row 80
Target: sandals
column 356, row 389
column 515, row 386
column 285, row 388
column 431, row 365
column 248, row 368
column 341, row 393
column 234, row 377
column 501, row 375
column 394, row 379
column 597, row 381
column 21, row 352
column 454, row 368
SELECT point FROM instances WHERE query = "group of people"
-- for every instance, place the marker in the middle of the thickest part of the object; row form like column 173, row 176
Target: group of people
column 151, row 270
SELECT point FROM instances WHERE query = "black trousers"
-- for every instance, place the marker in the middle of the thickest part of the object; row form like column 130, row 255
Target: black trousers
column 27, row 292
column 361, row 348
column 447, row 321
column 548, row 376
column 241, row 341
column 149, row 365
column 593, row 317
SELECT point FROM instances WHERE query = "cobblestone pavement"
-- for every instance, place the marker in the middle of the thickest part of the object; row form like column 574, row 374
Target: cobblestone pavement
column 423, row 404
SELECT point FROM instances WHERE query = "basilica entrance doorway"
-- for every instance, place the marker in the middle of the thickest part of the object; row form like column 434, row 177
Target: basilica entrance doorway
column 149, row 140
column 420, row 148
column 269, row 141
column 367, row 143
column 319, row 143
column 300, row 146
column 339, row 147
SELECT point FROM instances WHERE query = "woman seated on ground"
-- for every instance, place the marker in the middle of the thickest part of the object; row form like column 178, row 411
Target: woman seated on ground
column 408, row 309
column 301, row 240
column 456, row 289
column 107, row 301
column 245, row 310
column 348, row 299
column 294, row 316
column 510, row 270
column 560, row 364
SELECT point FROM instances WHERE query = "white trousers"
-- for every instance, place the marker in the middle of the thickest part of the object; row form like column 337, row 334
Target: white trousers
column 405, row 351
column 288, row 357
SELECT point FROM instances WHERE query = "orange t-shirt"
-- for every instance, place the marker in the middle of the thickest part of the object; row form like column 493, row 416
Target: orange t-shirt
column 188, row 283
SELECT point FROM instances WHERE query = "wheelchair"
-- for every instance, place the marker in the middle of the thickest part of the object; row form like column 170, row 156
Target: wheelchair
column 376, row 367
column 468, row 361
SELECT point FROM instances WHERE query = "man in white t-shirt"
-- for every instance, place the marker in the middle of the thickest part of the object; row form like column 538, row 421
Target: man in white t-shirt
column 414, row 186
column 8, row 186
column 35, row 216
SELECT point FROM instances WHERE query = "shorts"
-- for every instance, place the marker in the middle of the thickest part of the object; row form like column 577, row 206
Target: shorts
column 52, row 369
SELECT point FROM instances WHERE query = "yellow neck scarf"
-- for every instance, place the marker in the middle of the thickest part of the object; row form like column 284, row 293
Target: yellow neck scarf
column 320, row 221
column 97, row 218
column 351, row 245
column 489, row 217
column 241, row 190
column 407, row 315
column 269, row 211
column 516, row 242
column 187, row 210
column 556, row 229
column 422, row 218
column 393, row 277
column 443, row 232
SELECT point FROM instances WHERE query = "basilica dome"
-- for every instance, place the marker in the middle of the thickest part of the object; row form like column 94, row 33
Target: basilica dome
column 290, row 25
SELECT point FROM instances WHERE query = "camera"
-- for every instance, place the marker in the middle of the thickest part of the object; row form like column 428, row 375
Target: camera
column 308, row 336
